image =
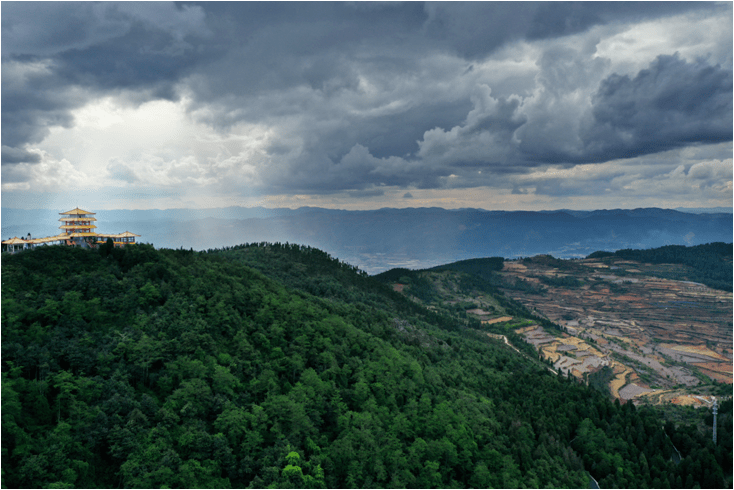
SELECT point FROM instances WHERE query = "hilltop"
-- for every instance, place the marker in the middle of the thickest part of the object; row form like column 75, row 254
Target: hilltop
column 278, row 365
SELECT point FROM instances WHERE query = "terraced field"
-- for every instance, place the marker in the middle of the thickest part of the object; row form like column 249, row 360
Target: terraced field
column 658, row 335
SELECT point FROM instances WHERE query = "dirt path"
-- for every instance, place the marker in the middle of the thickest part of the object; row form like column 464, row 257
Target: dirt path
column 620, row 380
column 504, row 337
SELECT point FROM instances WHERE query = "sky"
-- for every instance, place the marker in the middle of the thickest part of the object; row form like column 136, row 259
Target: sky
column 364, row 105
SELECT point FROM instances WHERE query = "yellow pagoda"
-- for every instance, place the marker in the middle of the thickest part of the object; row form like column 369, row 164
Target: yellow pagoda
column 77, row 229
column 77, row 225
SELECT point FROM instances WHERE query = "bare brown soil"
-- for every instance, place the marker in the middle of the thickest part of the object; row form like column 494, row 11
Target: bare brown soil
column 658, row 333
column 497, row 320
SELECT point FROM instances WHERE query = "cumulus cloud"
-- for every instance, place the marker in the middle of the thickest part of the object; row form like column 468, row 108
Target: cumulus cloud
column 16, row 155
column 668, row 175
column 48, row 175
column 670, row 104
column 120, row 171
column 712, row 174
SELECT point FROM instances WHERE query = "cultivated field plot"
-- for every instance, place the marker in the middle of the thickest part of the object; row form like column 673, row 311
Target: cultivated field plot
column 496, row 320
column 657, row 334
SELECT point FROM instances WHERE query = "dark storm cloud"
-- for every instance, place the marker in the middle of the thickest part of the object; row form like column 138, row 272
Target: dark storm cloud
column 49, row 28
column 16, row 174
column 344, row 151
column 147, row 63
column 357, row 96
column 671, row 104
column 46, row 28
column 475, row 29
column 393, row 134
column 32, row 102
column 562, row 18
column 279, row 45
column 554, row 19
column 58, row 55
column 14, row 155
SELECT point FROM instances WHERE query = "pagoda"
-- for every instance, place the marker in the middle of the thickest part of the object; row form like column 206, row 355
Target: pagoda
column 77, row 225
column 77, row 229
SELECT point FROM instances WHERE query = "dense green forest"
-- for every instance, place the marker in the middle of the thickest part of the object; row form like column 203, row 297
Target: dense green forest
column 271, row 365
column 482, row 268
column 481, row 275
column 709, row 264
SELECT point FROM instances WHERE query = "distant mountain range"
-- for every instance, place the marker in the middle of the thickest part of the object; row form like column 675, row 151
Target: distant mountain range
column 411, row 237
column 704, row 210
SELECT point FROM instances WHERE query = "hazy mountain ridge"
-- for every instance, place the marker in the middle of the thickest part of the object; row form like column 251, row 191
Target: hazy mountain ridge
column 377, row 240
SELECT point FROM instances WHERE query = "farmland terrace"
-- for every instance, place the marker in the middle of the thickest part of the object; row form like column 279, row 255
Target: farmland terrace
column 657, row 335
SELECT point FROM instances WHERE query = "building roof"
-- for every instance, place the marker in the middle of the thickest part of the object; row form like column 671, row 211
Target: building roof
column 76, row 211
column 49, row 239
column 87, row 218
column 77, row 235
column 14, row 241
column 127, row 234
column 74, row 227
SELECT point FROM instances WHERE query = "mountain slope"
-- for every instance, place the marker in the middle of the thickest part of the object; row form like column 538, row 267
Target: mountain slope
column 150, row 368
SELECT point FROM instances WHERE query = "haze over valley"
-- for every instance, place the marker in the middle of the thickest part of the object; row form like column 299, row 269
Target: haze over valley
column 414, row 238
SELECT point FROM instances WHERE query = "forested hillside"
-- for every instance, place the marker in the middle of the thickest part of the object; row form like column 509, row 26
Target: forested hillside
column 279, row 366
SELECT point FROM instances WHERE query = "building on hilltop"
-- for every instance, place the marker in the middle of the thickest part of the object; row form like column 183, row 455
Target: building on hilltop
column 77, row 225
column 14, row 242
column 119, row 239
column 77, row 229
